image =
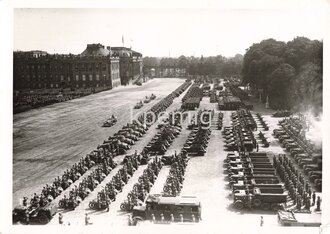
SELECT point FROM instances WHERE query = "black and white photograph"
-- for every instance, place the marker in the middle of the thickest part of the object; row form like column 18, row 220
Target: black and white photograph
column 153, row 118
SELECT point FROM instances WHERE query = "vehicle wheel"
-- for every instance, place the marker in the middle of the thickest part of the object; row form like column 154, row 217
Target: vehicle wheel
column 91, row 205
column 274, row 206
column 42, row 218
column 239, row 205
column 257, row 203
column 61, row 204
column 136, row 221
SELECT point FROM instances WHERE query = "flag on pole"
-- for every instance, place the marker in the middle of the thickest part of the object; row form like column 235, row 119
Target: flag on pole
column 122, row 39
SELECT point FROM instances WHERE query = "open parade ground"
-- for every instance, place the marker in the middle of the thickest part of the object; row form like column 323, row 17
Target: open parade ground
column 49, row 140
column 174, row 116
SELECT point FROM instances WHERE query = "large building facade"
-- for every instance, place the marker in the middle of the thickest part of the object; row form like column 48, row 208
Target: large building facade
column 96, row 67
column 131, row 65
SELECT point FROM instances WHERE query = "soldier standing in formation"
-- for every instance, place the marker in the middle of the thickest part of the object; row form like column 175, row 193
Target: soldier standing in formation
column 318, row 204
column 313, row 197
column 298, row 202
column 308, row 204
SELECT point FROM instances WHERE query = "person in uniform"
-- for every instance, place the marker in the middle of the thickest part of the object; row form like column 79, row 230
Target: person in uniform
column 308, row 204
column 318, row 204
column 27, row 217
column 60, row 218
column 25, row 201
column 87, row 219
column 313, row 197
column 298, row 202
column 261, row 221
column 250, row 201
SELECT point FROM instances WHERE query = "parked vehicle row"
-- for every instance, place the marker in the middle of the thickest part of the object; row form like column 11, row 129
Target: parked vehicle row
column 169, row 207
column 262, row 122
column 302, row 151
column 254, row 181
column 162, row 140
column 220, row 121
column 118, row 144
column 137, row 196
column 192, row 98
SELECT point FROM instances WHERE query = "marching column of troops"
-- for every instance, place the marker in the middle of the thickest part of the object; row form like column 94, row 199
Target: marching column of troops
column 299, row 188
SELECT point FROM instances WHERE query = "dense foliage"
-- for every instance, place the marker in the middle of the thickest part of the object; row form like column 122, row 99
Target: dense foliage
column 289, row 73
column 217, row 65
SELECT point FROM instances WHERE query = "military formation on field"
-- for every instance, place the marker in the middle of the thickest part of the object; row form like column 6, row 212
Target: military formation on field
column 257, row 180
column 41, row 208
column 291, row 135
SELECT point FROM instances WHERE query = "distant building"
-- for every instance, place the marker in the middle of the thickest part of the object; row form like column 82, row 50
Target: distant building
column 96, row 67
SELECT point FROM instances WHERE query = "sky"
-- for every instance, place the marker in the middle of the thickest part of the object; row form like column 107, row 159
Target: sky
column 162, row 32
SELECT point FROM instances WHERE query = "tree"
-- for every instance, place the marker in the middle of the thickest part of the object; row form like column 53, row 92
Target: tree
column 279, row 86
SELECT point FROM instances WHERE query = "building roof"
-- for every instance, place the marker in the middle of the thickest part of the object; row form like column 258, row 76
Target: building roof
column 122, row 51
column 95, row 50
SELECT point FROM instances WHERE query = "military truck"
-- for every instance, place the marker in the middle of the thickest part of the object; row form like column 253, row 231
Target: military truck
column 265, row 198
column 158, row 208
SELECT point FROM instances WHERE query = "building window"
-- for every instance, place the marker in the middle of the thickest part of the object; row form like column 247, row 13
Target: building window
column 77, row 77
column 56, row 85
column 83, row 77
column 62, row 77
column 77, row 85
column 97, row 85
column 90, row 77
column 97, row 77
column 68, row 78
column 51, row 85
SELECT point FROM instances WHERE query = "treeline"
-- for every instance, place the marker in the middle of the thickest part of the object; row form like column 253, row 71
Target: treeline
column 216, row 65
column 290, row 74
